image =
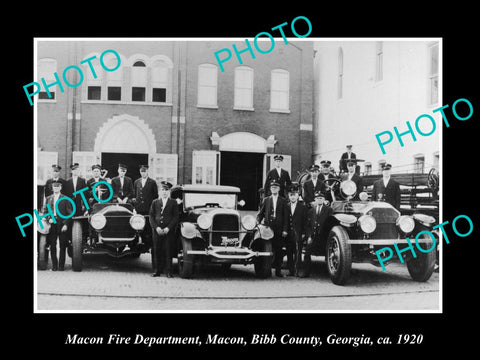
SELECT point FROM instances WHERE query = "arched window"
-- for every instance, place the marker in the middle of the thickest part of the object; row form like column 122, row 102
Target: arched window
column 279, row 90
column 160, row 80
column 340, row 74
column 46, row 68
column 114, row 78
column 207, row 85
column 139, row 80
column 94, row 83
column 243, row 94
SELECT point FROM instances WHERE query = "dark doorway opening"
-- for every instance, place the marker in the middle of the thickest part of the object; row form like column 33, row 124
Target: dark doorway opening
column 110, row 162
column 244, row 170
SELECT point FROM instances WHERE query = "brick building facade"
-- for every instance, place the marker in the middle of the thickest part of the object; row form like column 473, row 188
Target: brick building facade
column 170, row 106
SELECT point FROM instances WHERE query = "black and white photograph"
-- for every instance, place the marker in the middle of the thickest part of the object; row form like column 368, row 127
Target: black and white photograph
column 219, row 179
column 239, row 175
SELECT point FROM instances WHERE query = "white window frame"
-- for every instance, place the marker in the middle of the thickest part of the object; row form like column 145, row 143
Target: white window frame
column 205, row 167
column 85, row 160
column 238, row 87
column 205, row 87
column 46, row 67
column 163, row 167
column 284, row 107
column 45, row 160
column 416, row 168
column 433, row 76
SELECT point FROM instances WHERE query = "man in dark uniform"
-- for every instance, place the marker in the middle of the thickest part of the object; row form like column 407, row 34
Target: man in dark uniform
column 279, row 175
column 327, row 174
column 55, row 178
column 357, row 179
column 60, row 227
column 348, row 155
column 74, row 183
column 387, row 189
column 145, row 191
column 297, row 223
column 102, row 191
column 316, row 218
column 122, row 186
column 274, row 213
column 163, row 217
column 312, row 185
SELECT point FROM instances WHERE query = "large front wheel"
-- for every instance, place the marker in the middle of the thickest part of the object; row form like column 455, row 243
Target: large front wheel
column 77, row 246
column 42, row 259
column 338, row 255
column 421, row 267
column 185, row 261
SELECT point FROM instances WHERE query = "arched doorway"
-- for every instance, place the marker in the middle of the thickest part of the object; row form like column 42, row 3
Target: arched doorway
column 124, row 139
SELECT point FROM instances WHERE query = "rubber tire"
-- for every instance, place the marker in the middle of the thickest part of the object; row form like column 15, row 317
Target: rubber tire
column 42, row 260
column 342, row 274
column 77, row 246
column 186, row 262
column 421, row 268
column 226, row 267
column 263, row 264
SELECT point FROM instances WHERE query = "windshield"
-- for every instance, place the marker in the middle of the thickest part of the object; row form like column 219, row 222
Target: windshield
column 226, row 201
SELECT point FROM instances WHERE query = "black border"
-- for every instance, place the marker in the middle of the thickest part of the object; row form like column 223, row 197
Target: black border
column 47, row 331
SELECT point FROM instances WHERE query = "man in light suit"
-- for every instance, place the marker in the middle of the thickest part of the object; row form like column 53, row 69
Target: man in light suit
column 297, row 225
column 387, row 189
column 315, row 232
column 163, row 217
column 312, row 185
column 274, row 213
column 281, row 176
column 58, row 225
column 122, row 186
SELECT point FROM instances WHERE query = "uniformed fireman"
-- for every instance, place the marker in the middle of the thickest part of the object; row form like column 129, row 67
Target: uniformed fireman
column 163, row 217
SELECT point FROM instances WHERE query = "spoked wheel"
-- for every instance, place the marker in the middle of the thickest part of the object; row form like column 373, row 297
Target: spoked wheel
column 338, row 255
column 421, row 267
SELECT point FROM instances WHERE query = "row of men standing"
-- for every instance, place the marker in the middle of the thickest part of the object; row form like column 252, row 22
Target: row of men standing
column 143, row 194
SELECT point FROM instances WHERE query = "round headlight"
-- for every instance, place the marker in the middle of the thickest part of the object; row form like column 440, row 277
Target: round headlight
column 348, row 187
column 137, row 222
column 426, row 220
column 363, row 196
column 406, row 223
column 249, row 222
column 204, row 221
column 368, row 224
column 98, row 221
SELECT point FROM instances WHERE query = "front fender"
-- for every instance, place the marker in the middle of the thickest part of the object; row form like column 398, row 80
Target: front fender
column 263, row 232
column 189, row 230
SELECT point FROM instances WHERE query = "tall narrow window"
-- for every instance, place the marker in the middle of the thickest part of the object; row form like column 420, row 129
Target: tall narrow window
column 114, row 79
column 207, row 85
column 159, row 77
column 419, row 164
column 379, row 61
column 94, row 84
column 243, row 96
column 380, row 165
column 433, row 74
column 279, row 90
column 46, row 69
column 340, row 74
column 139, row 81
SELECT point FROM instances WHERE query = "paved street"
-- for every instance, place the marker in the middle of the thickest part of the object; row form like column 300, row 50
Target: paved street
column 125, row 284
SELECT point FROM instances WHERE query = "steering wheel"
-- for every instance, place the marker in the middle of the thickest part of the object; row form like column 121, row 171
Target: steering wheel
column 334, row 186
